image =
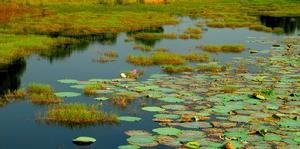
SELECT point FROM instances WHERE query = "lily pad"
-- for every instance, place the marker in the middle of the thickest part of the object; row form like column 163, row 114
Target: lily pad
column 101, row 98
column 240, row 118
column 272, row 137
column 129, row 118
column 171, row 99
column 192, row 145
column 84, row 140
column 153, row 109
column 169, row 116
column 67, row 94
column 147, row 141
column 167, row 131
column 68, row 81
column 128, row 147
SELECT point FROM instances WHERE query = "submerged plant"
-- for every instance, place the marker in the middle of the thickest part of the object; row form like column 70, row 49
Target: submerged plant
column 142, row 47
column 77, row 114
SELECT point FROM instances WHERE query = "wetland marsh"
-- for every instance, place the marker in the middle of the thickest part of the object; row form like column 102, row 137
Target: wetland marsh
column 198, row 74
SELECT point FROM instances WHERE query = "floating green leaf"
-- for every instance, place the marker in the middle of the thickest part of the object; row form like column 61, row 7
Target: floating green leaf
column 153, row 109
column 129, row 118
column 84, row 140
column 67, row 94
column 167, row 131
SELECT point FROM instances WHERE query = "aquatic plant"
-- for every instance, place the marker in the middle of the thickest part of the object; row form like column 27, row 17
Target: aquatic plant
column 177, row 68
column 37, row 88
column 139, row 60
column 191, row 30
column 44, row 99
column 77, row 114
column 122, row 99
column 142, row 47
column 194, row 57
column 223, row 48
column 210, row 67
column 92, row 88
column 16, row 94
column 111, row 53
column 166, row 58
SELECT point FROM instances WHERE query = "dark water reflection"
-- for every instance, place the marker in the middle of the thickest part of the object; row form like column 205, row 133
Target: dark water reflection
column 290, row 25
column 148, row 42
column 11, row 76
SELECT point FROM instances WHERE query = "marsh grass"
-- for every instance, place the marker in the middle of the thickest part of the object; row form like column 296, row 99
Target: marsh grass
column 77, row 114
column 191, row 30
column 44, row 99
column 162, row 50
column 223, row 48
column 177, row 69
column 16, row 94
column 42, row 94
column 166, row 58
column 122, row 100
column 210, row 67
column 36, row 88
column 92, row 88
column 194, row 57
column 107, row 56
column 142, row 47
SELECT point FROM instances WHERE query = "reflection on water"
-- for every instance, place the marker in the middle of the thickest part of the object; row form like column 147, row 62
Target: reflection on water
column 148, row 42
column 290, row 25
column 11, row 76
column 65, row 51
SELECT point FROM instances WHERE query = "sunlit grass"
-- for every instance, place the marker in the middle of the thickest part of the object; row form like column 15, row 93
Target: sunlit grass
column 77, row 114
column 92, row 88
column 223, row 48
column 177, row 69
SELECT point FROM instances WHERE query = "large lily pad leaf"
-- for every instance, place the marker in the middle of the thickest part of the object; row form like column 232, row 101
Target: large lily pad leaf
column 68, row 81
column 168, row 116
column 128, row 147
column 101, row 98
column 240, row 118
column 67, row 94
column 272, row 137
column 171, row 99
column 167, row 131
column 83, row 140
column 153, row 109
column 129, row 118
column 147, row 141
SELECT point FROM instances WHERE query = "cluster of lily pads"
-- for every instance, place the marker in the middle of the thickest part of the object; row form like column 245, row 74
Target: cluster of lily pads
column 197, row 110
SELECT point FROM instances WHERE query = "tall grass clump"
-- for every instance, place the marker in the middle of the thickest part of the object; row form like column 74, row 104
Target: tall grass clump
column 92, row 88
column 77, row 114
column 223, row 48
column 210, row 67
column 177, row 69
column 122, row 100
column 42, row 94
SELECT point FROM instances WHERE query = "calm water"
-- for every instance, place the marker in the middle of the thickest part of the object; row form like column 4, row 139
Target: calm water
column 18, row 126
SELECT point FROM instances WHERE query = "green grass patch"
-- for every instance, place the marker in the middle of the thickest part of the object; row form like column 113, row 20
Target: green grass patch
column 77, row 114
